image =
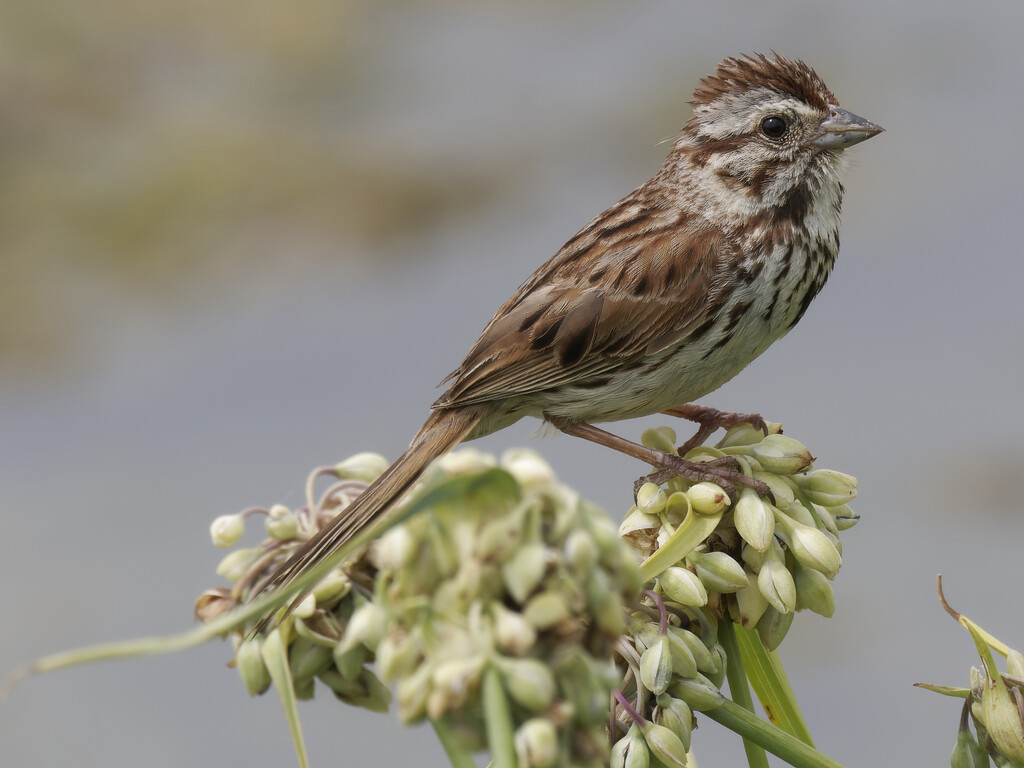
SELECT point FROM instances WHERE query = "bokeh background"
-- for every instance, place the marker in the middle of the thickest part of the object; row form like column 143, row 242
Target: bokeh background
column 240, row 240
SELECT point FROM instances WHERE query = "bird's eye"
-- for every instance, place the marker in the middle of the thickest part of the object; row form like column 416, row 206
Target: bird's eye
column 773, row 127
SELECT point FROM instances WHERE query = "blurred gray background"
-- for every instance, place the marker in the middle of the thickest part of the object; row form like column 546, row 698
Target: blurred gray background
column 241, row 240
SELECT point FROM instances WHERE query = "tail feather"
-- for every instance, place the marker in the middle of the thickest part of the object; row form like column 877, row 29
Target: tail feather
column 442, row 431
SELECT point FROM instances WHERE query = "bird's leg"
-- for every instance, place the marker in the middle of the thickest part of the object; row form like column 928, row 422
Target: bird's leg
column 711, row 419
column 696, row 471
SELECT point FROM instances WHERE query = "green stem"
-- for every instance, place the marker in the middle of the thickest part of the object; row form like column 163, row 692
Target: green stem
column 775, row 740
column 739, row 690
column 498, row 719
column 457, row 755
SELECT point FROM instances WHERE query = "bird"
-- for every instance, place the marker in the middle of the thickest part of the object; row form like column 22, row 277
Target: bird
column 661, row 298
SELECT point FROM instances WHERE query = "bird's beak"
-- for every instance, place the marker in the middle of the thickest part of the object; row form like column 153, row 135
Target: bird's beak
column 842, row 129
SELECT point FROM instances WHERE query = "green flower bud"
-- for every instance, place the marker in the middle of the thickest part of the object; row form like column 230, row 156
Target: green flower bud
column 699, row 692
column 702, row 657
column 773, row 626
column 529, row 682
column 750, row 606
column 235, row 564
column 453, row 681
column 398, row 654
column 776, row 582
column 512, row 632
column 524, row 570
column 536, row 743
column 500, row 537
column 676, row 715
column 651, row 499
column 967, row 753
column 828, row 487
column 684, row 663
column 363, row 466
column 251, row 667
column 660, row 439
column 307, row 659
column 708, row 498
column 631, row 750
column 656, row 666
column 580, row 552
column 1015, row 663
column 528, row 468
column 717, row 676
column 1002, row 719
column 226, row 530
column 844, row 517
column 813, row 591
column 546, row 609
column 781, row 455
column 809, row 545
column 741, row 434
column 465, row 461
column 350, row 663
column 395, row 549
column 305, row 608
column 605, row 605
column 664, row 745
column 334, row 585
column 412, row 693
column 366, row 626
column 281, row 524
column 781, row 490
column 683, row 586
column 718, row 571
column 754, row 519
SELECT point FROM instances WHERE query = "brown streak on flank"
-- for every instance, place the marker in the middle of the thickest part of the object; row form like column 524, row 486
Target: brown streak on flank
column 736, row 314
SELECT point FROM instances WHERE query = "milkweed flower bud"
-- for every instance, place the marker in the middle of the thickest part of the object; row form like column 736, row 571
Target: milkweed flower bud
column 651, row 499
column 656, row 666
column 754, row 519
column 718, row 571
column 528, row 468
column 776, row 582
column 528, row 681
column 828, row 487
column 251, row 667
column 781, row 454
column 226, row 530
column 363, row 466
column 707, row 498
column 814, row 591
column 676, row 715
column 631, row 750
column 234, row 564
column 659, row 439
column 281, row 524
column 665, row 745
column 683, row 586
column 536, row 743
column 523, row 572
column 512, row 632
column 810, row 546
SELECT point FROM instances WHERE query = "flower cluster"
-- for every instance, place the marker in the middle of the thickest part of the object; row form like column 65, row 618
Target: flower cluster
column 519, row 578
column 994, row 702
column 508, row 582
column 768, row 557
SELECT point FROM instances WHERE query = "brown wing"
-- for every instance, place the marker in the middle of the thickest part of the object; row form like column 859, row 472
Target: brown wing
column 631, row 283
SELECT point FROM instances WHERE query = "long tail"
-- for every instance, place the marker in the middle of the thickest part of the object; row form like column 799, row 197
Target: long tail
column 441, row 432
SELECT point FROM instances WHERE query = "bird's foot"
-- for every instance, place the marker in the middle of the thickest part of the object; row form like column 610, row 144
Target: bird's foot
column 711, row 419
column 723, row 471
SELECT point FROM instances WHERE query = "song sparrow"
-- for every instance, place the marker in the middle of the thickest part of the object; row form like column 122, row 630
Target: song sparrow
column 666, row 295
